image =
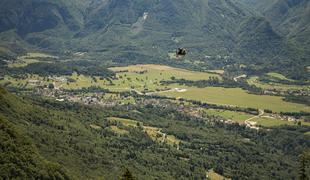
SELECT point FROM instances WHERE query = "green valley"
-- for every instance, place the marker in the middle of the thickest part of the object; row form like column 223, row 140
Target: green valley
column 155, row 89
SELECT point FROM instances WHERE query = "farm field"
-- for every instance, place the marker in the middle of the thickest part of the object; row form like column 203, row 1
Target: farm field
column 238, row 97
column 154, row 71
column 138, row 77
column 239, row 117
column 271, row 122
column 146, row 78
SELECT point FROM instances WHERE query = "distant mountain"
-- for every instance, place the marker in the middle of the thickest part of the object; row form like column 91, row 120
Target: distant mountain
column 111, row 23
column 291, row 18
column 146, row 30
column 41, row 23
column 256, row 38
column 140, row 25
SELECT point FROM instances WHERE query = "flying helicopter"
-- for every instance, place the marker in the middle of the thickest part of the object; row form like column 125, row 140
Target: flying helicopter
column 180, row 52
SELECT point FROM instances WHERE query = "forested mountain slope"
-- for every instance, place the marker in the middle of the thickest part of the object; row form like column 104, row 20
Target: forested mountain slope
column 81, row 139
column 291, row 18
column 145, row 31
column 19, row 157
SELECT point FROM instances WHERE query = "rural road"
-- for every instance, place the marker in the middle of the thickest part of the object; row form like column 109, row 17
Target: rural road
column 250, row 123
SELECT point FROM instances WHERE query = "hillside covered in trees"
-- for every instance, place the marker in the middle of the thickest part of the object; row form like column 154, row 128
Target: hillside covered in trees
column 42, row 138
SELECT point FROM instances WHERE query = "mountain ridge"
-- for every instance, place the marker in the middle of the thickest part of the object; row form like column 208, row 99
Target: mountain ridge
column 113, row 30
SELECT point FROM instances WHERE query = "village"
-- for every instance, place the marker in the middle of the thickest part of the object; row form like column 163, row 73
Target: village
column 111, row 99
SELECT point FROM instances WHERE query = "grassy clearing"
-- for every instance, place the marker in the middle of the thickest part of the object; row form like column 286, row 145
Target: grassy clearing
column 238, row 97
column 29, row 58
column 119, row 131
column 270, row 122
column 154, row 132
column 147, row 78
column 94, row 126
column 166, row 72
column 31, row 81
column 217, row 71
column 214, row 176
column 40, row 55
column 139, row 77
column 125, row 122
column 231, row 115
column 278, row 76
column 172, row 56
column 255, row 81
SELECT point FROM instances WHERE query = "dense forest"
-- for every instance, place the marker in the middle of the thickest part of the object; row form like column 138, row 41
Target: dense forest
column 63, row 134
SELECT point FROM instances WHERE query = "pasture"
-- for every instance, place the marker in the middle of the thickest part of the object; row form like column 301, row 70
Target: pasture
column 272, row 122
column 237, row 97
column 239, row 117
column 147, row 78
column 138, row 77
column 154, row 71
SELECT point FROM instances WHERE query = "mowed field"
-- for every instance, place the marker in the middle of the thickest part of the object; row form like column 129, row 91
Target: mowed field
column 238, row 97
column 267, row 122
column 154, row 71
column 138, row 77
column 239, row 117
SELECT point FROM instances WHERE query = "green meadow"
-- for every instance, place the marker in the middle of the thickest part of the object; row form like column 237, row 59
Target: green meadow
column 138, row 77
column 29, row 58
column 271, row 122
column 154, row 132
column 279, row 76
column 146, row 78
column 239, row 117
column 215, row 176
column 238, row 97
column 255, row 81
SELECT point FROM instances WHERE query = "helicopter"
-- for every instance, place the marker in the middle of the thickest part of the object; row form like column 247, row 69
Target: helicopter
column 180, row 52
